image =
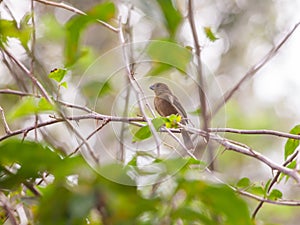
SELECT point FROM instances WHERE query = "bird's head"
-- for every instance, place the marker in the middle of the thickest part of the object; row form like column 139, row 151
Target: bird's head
column 160, row 88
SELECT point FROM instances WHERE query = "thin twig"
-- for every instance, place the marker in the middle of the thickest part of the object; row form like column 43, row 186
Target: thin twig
column 77, row 11
column 274, row 180
column 121, row 154
column 200, row 78
column 66, row 104
column 245, row 150
column 253, row 196
column 5, row 204
column 255, row 132
column 73, row 118
column 6, row 127
column 199, row 65
column 262, row 199
column 137, row 88
column 29, row 74
column 89, row 136
column 250, row 152
column 181, row 144
column 255, row 68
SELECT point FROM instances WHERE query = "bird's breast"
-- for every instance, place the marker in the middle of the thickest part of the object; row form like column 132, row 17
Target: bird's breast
column 164, row 107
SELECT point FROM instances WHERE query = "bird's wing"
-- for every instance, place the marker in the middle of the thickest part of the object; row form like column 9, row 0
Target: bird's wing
column 176, row 104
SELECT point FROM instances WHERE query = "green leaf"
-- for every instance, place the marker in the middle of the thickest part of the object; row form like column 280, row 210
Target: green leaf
column 172, row 16
column 291, row 144
column 64, row 84
column 196, row 112
column 25, row 30
column 31, row 157
column 77, row 24
column 73, row 206
column 53, row 30
column 258, row 190
column 291, row 165
column 158, row 122
column 159, row 68
column 169, row 53
column 243, row 183
column 57, row 74
column 172, row 121
column 267, row 185
column 187, row 213
column 142, row 134
column 30, row 106
column 96, row 89
column 209, row 34
column 9, row 28
column 275, row 194
column 222, row 202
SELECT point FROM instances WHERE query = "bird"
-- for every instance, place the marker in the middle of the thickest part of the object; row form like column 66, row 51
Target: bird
column 166, row 104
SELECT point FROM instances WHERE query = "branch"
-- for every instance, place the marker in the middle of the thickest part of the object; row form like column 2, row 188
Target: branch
column 245, row 150
column 248, row 151
column 264, row 200
column 89, row 136
column 253, row 196
column 66, row 104
column 6, row 127
column 73, row 118
column 199, row 66
column 77, row 11
column 256, row 132
column 254, row 69
column 274, row 180
column 8, row 209
column 179, row 142
column 30, row 75
column 129, row 64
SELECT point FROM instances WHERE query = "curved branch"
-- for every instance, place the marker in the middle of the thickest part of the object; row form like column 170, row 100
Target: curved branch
column 245, row 150
column 255, row 68
column 256, row 132
column 77, row 11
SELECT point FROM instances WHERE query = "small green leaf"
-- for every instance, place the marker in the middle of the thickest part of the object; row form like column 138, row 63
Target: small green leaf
column 209, row 34
column 95, row 89
column 10, row 29
column 32, row 158
column 142, row 134
column 196, row 112
column 291, row 144
column 159, row 68
column 275, row 194
column 243, row 183
column 267, row 185
column 169, row 53
column 258, row 190
column 29, row 106
column 76, row 25
column 64, row 84
column 44, row 105
column 158, row 122
column 172, row 121
column 172, row 16
column 291, row 165
column 57, row 74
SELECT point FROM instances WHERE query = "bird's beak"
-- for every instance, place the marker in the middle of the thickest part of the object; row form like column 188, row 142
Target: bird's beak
column 152, row 87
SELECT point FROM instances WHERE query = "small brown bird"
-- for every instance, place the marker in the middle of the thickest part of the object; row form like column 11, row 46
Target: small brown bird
column 166, row 103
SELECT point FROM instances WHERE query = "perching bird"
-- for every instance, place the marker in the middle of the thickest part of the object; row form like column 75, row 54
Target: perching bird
column 166, row 103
